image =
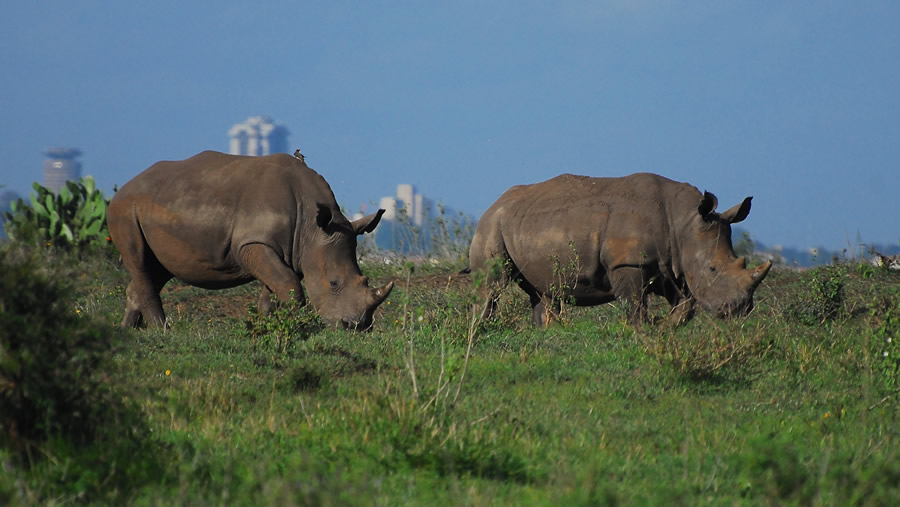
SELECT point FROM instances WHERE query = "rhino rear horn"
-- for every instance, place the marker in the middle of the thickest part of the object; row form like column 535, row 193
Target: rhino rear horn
column 367, row 223
column 737, row 213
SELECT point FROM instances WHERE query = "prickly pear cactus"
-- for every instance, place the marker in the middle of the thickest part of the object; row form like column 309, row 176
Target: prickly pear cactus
column 75, row 217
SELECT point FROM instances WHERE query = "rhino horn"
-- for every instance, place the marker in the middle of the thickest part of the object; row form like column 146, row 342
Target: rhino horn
column 377, row 296
column 758, row 273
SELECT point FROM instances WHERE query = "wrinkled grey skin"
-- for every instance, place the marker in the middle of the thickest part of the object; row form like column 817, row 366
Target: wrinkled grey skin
column 593, row 240
column 218, row 221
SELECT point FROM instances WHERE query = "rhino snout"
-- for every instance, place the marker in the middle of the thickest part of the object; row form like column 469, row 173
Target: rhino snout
column 735, row 309
column 358, row 315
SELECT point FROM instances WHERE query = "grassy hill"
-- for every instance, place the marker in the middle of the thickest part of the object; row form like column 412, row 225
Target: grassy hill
column 797, row 403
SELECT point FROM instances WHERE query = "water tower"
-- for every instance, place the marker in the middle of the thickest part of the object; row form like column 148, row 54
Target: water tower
column 61, row 166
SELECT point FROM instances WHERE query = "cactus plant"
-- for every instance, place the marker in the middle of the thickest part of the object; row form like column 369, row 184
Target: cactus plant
column 75, row 217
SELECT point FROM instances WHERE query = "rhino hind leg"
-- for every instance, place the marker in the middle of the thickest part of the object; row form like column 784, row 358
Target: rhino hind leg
column 142, row 301
column 495, row 271
column 544, row 310
column 148, row 276
column 277, row 277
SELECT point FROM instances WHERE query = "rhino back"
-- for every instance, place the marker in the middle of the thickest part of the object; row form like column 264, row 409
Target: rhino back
column 607, row 222
column 195, row 214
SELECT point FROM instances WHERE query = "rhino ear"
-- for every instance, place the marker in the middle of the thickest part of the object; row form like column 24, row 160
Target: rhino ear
column 707, row 205
column 323, row 215
column 738, row 212
column 367, row 223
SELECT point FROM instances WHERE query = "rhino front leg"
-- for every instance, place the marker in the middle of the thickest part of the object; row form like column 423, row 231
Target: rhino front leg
column 682, row 311
column 265, row 304
column 277, row 277
column 628, row 285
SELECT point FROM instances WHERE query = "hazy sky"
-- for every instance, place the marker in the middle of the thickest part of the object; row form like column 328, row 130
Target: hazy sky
column 796, row 103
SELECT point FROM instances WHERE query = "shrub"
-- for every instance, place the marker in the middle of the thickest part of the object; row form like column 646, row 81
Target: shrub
column 76, row 217
column 66, row 427
column 288, row 322
column 823, row 299
column 886, row 349
column 51, row 383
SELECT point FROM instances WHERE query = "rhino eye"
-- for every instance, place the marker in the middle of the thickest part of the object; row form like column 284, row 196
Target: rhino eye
column 333, row 284
column 712, row 269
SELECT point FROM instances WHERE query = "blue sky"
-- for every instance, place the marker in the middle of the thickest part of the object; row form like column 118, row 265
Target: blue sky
column 795, row 103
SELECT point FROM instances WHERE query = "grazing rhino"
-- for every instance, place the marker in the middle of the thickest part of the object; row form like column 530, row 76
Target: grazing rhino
column 218, row 221
column 592, row 240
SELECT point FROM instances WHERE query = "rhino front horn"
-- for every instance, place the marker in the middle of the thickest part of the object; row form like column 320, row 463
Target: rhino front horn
column 759, row 273
column 377, row 296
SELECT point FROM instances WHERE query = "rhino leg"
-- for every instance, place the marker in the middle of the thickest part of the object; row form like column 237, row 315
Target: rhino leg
column 682, row 311
column 496, row 272
column 489, row 308
column 266, row 266
column 265, row 304
column 544, row 310
column 629, row 285
column 142, row 301
column 133, row 317
column 678, row 297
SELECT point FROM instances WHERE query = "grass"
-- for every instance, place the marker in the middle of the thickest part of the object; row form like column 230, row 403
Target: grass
column 795, row 404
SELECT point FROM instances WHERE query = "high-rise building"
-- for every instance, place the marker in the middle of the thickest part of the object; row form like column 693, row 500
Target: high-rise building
column 258, row 136
column 61, row 166
column 413, row 224
column 414, row 206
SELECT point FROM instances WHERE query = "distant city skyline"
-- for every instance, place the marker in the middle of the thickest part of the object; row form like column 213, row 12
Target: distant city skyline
column 258, row 136
column 792, row 103
column 416, row 206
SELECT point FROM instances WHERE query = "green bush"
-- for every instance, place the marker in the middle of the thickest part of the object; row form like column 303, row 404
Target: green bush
column 823, row 299
column 76, row 217
column 886, row 348
column 63, row 419
column 49, row 359
column 288, row 322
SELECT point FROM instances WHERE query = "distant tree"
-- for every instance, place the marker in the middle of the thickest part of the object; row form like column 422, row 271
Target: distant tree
column 745, row 247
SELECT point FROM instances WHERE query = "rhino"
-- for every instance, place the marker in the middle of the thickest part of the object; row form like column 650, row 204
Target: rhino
column 592, row 240
column 216, row 221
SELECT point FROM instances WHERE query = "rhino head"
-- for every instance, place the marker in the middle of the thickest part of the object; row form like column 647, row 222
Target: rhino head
column 718, row 279
column 336, row 286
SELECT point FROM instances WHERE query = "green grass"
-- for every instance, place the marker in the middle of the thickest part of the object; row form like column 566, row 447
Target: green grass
column 795, row 404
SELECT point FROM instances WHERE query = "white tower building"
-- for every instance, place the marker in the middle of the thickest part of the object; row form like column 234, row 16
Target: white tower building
column 61, row 166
